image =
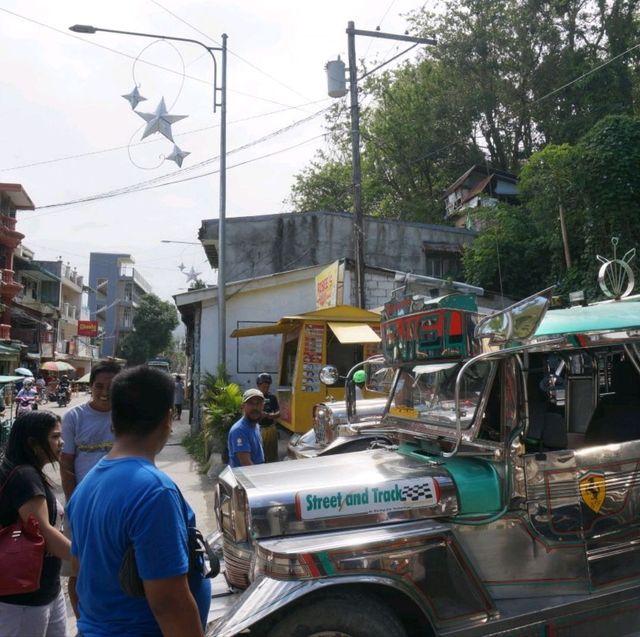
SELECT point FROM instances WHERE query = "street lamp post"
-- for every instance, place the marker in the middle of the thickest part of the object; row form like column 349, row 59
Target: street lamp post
column 222, row 208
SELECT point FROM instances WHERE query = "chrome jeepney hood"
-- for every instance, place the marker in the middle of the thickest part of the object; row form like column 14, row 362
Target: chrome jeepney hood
column 339, row 492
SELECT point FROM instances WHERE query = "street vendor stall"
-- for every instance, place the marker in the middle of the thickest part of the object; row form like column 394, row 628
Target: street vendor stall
column 341, row 335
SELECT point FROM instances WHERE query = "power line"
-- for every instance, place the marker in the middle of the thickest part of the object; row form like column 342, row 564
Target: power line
column 131, row 57
column 242, row 59
column 144, row 187
column 153, row 141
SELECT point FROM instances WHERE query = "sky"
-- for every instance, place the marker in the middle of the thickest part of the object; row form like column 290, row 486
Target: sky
column 66, row 134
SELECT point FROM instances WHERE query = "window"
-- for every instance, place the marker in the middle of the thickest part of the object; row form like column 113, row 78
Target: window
column 102, row 285
column 126, row 318
column 128, row 292
column 442, row 264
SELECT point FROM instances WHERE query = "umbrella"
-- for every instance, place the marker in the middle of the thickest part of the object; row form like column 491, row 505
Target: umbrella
column 85, row 378
column 10, row 379
column 57, row 366
column 23, row 371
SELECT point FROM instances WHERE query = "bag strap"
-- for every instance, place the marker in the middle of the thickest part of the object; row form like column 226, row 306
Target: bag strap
column 8, row 478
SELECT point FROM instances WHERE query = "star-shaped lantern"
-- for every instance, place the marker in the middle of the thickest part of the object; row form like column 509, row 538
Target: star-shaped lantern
column 159, row 121
column 192, row 275
column 177, row 155
column 134, row 98
column 182, row 267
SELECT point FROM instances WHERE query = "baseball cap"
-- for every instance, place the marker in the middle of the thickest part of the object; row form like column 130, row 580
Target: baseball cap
column 252, row 393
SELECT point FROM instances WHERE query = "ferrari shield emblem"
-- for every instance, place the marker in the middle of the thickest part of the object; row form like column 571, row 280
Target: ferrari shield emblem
column 593, row 489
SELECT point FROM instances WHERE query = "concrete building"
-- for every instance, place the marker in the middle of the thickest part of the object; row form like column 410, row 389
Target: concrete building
column 35, row 312
column 266, row 244
column 115, row 290
column 13, row 198
column 72, row 305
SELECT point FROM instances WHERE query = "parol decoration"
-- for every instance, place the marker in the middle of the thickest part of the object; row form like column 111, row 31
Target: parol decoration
column 159, row 121
column 134, row 98
column 177, row 155
column 192, row 275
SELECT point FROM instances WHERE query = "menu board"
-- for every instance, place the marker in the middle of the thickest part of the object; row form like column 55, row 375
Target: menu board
column 312, row 356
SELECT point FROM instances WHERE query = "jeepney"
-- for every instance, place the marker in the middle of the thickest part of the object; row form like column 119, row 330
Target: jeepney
column 510, row 504
column 332, row 419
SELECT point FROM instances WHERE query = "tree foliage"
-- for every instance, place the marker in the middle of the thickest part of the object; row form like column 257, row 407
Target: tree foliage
column 507, row 78
column 153, row 323
column 596, row 181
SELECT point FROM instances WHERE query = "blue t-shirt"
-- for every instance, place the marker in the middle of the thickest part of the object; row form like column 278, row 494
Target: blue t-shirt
column 123, row 501
column 245, row 437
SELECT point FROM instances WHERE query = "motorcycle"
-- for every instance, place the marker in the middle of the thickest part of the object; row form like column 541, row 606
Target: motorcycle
column 25, row 404
column 62, row 396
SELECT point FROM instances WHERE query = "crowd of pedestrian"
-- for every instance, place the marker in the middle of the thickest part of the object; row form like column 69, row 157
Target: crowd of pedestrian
column 129, row 535
column 127, row 541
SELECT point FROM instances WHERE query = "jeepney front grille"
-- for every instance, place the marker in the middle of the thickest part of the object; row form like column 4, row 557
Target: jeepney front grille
column 237, row 560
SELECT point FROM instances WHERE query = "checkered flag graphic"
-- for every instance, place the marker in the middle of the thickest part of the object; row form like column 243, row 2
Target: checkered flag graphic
column 417, row 492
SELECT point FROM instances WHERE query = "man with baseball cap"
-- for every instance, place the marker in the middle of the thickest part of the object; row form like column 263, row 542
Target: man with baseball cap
column 244, row 441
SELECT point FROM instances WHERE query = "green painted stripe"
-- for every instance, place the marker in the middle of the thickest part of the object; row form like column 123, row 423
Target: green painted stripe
column 326, row 563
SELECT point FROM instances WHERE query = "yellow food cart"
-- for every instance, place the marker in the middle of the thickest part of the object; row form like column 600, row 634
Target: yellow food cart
column 342, row 336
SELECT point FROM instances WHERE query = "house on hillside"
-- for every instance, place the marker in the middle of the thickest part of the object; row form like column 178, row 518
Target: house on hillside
column 480, row 186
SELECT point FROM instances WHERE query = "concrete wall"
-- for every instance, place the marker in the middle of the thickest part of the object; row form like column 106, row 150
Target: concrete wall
column 262, row 304
column 261, row 245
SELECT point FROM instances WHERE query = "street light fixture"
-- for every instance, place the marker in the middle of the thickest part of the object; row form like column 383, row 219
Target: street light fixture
column 222, row 103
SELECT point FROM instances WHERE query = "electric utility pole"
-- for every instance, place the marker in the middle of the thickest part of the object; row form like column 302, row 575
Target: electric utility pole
column 337, row 88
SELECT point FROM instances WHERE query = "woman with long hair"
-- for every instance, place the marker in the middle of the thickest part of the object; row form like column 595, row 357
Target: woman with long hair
column 34, row 441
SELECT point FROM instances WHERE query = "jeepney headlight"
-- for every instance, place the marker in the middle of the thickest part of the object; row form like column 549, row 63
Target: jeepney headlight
column 321, row 422
column 232, row 512
column 279, row 566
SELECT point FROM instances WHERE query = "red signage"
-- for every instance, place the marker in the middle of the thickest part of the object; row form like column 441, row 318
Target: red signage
column 87, row 328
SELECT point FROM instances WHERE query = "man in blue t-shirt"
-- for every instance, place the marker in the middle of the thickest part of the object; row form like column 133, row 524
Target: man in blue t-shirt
column 126, row 501
column 245, row 441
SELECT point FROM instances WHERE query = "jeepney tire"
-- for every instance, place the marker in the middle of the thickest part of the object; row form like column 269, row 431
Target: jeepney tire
column 349, row 615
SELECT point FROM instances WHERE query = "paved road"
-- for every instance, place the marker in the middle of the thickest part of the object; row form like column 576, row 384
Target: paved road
column 175, row 461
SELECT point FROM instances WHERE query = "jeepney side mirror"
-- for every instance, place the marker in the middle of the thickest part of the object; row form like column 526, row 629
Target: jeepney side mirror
column 517, row 322
column 329, row 375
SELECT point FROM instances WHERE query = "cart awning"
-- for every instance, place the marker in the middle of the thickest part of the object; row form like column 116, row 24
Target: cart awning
column 354, row 333
column 276, row 328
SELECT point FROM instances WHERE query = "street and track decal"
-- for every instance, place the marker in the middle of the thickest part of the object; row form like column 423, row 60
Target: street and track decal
column 331, row 502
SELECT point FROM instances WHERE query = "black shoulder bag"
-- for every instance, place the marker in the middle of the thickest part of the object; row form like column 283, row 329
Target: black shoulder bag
column 202, row 559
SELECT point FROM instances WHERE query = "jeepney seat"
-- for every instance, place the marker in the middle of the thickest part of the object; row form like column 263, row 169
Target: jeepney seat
column 615, row 419
column 554, row 433
column 617, row 416
column 547, row 431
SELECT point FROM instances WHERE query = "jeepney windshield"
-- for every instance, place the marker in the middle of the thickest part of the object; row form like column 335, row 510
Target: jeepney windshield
column 426, row 393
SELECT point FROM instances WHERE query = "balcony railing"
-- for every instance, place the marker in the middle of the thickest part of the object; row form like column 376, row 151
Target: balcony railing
column 9, row 287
